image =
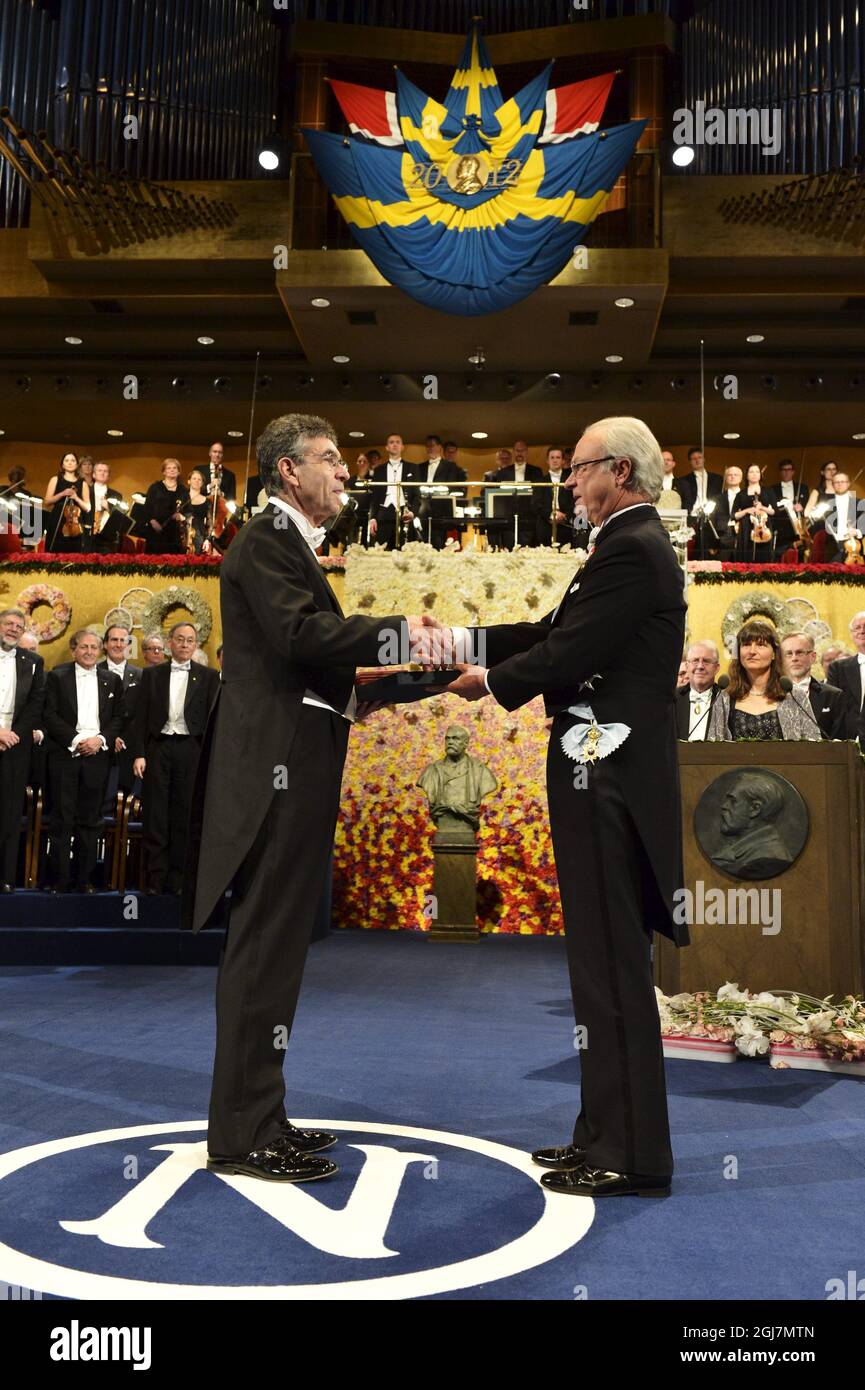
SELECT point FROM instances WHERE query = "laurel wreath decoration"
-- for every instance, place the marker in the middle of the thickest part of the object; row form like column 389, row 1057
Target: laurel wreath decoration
column 155, row 611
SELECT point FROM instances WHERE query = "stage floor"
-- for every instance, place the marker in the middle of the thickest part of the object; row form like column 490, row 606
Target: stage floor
column 441, row 1065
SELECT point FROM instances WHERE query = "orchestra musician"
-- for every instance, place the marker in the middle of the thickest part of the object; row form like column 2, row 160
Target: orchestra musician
column 102, row 495
column 197, row 511
column 218, row 476
column 754, row 510
column 68, row 496
column 163, row 512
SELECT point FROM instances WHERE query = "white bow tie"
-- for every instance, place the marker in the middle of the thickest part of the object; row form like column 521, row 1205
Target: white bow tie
column 593, row 536
column 83, row 671
column 696, row 695
column 315, row 537
column 180, row 665
column 7, row 655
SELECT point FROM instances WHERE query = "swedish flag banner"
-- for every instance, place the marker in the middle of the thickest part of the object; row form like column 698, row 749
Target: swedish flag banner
column 470, row 204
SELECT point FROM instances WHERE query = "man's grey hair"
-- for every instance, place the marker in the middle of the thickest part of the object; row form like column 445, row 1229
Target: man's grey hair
column 629, row 438
column 705, row 642
column 800, row 637
column 13, row 613
column 83, row 632
column 286, row 437
column 153, row 637
column 856, row 617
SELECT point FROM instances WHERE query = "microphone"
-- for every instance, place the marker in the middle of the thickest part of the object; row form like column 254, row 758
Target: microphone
column 720, row 684
column 787, row 687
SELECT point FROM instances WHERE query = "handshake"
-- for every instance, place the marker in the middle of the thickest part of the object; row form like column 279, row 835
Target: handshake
column 436, row 647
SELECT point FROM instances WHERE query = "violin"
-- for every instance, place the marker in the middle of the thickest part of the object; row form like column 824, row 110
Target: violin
column 70, row 525
column 760, row 532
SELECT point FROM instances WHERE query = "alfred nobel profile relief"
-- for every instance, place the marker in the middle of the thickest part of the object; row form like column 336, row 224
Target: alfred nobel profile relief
column 751, row 824
column 455, row 787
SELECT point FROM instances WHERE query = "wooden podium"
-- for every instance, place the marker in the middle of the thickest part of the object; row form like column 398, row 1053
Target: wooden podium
column 820, row 947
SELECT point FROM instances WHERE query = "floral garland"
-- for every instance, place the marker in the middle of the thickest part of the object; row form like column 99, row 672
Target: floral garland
column 756, row 604
column 61, row 610
column 799, row 574
column 175, row 596
column 133, row 564
column 754, row 1022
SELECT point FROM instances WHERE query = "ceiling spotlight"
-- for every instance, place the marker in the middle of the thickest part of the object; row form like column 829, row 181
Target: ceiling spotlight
column 732, row 436
column 73, row 341
column 814, row 383
column 854, row 383
column 61, row 383
column 512, row 383
column 273, row 153
column 553, row 379
column 222, row 385
column 102, row 384
column 683, row 155
column 595, row 383
column 386, row 383
column 769, row 382
column 468, row 383
column 613, row 357
column 22, row 383
column 115, row 434
column 303, row 380
column 265, row 382
column 478, row 358
column 624, row 303
column 356, row 434
column 320, row 303
column 341, row 358
column 2, row 431
column 856, row 436
column 180, row 385
column 479, row 434
column 204, row 340
column 677, row 383
column 234, row 434
column 755, row 338
column 638, row 383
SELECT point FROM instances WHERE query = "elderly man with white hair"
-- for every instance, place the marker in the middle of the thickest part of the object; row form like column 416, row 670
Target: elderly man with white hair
column 848, row 672
column 605, row 660
column 694, row 701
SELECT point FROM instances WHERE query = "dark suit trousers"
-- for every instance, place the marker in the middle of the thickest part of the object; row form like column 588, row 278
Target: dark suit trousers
column 275, row 897
column 604, row 878
column 169, row 778
column 77, row 794
column 13, row 783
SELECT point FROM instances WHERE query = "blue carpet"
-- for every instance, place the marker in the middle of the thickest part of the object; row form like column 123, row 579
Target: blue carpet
column 396, row 1031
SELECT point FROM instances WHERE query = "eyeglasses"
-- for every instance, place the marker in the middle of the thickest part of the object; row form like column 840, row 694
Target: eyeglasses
column 330, row 457
column 578, row 469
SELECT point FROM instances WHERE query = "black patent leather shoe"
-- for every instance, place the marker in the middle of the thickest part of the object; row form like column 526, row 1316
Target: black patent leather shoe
column 309, row 1141
column 561, row 1159
column 278, row 1161
column 597, row 1182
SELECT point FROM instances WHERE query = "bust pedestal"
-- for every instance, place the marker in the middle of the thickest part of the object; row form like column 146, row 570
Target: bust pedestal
column 455, row 884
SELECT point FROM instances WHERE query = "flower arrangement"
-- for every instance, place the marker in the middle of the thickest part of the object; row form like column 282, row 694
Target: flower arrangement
column 758, row 1023
column 176, row 596
column 61, row 610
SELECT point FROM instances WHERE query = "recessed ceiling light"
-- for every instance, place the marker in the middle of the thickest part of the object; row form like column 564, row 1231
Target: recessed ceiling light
column 268, row 159
column 73, row 341
column 204, row 340
column 683, row 155
column 356, row 434
column 479, row 434
column 234, row 434
column 341, row 358
column 732, row 436
column 755, row 338
column 2, row 431
column 116, row 434
column 613, row 357
column 321, row 303
column 624, row 303
column 856, row 436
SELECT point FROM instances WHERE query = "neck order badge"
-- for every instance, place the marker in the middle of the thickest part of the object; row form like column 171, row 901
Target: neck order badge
column 470, row 204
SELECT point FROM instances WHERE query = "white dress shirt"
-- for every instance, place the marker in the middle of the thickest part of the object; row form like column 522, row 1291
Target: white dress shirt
column 100, row 492
column 8, row 686
column 394, row 476
column 118, row 668
column 178, row 682
column 702, row 486
column 519, row 472
column 842, row 508
column 861, row 679
column 668, row 485
column 87, row 692
column 309, row 533
column 432, row 468
column 700, row 700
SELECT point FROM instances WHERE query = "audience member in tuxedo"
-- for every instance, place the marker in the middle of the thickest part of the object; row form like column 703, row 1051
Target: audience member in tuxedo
column 22, row 695
column 723, row 516
column 695, row 699
column 216, row 474
column 153, row 649
column 833, row 709
column 754, row 705
column 253, row 488
column 438, row 510
column 163, row 511
column 68, row 496
column 37, row 776
column 102, row 495
column 821, row 497
column 452, row 455
column 359, row 489
column 848, row 673
column 833, row 652
column 752, row 509
column 517, row 508
column 670, row 498
column 116, row 644
column 682, row 677
column 617, row 838
column 789, row 499
column 845, row 517
column 83, row 717
column 556, row 500
column 172, row 709
column 392, row 509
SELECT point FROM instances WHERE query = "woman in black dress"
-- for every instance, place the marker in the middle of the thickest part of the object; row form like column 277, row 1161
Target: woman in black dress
column 821, row 498
column 753, row 509
column 198, row 511
column 68, row 496
column 754, row 706
column 163, row 505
